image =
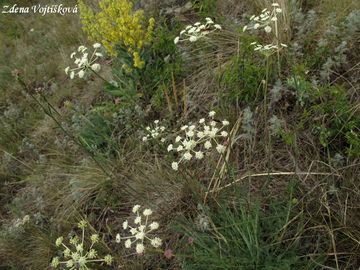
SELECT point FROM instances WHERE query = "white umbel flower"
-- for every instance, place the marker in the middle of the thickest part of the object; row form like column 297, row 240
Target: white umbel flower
column 125, row 225
column 193, row 38
column 154, row 225
column 137, row 220
column 197, row 31
column 187, row 156
column 156, row 242
column 268, row 29
column 225, row 123
column 175, row 166
column 220, row 148
column 224, row 133
column 207, row 145
column 83, row 62
column 136, row 208
column 147, row 212
column 128, row 243
column 170, row 147
column 118, row 238
column 96, row 67
column 140, row 248
column 81, row 74
column 199, row 155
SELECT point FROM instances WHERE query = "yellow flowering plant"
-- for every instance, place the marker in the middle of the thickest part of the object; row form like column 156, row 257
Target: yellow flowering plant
column 118, row 24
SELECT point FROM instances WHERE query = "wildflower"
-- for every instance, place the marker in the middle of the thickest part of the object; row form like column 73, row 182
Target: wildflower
column 94, row 238
column 154, row 132
column 59, row 241
column 137, row 220
column 78, row 255
column 267, row 20
column 83, row 63
column 95, row 67
column 108, row 259
column 92, row 253
column 209, row 20
column 69, row 263
column 198, row 139
column 190, row 133
column 197, row 31
column 125, row 224
column 82, row 224
column 190, row 240
column 136, row 208
column 174, row 166
column 118, row 238
column 55, row 262
column 267, row 29
column 187, row 156
column 207, row 145
column 140, row 248
column 141, row 232
column 128, row 30
column 168, row 253
column 140, row 235
column 154, row 225
column 128, row 243
column 156, row 242
column 67, row 252
column 79, row 248
column 147, row 212
column 224, row 134
column 220, row 148
column 170, row 147
column 193, row 38
column 225, row 123
column 199, row 155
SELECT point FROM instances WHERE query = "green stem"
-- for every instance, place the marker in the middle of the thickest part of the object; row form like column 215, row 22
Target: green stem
column 101, row 77
column 267, row 133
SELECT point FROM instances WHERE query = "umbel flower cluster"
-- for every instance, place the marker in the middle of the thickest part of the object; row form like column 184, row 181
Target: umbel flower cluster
column 268, row 22
column 84, row 62
column 199, row 139
column 141, row 231
column 75, row 255
column 197, row 31
column 154, row 132
column 268, row 47
column 117, row 24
